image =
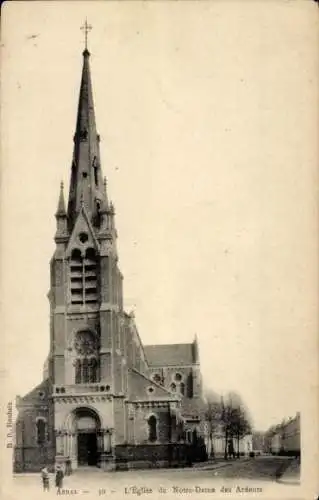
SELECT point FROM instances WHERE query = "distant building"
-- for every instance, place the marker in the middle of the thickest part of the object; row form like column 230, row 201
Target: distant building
column 106, row 399
column 258, row 441
column 284, row 438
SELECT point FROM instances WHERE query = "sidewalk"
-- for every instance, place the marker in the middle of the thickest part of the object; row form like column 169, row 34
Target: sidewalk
column 218, row 463
column 291, row 475
column 209, row 465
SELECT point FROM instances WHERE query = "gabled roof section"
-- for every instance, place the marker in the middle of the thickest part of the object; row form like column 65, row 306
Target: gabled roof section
column 141, row 388
column 82, row 225
column 169, row 354
column 37, row 396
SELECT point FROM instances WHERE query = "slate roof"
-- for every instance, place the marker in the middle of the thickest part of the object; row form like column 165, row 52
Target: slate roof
column 139, row 385
column 169, row 354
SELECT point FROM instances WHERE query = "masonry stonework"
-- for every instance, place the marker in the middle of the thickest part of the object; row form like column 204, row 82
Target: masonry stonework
column 106, row 399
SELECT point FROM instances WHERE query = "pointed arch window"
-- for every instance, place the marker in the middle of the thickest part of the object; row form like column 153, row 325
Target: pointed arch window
column 152, row 429
column 83, row 277
column 87, row 358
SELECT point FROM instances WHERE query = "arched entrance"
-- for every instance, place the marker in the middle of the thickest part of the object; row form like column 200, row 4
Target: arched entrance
column 84, row 427
column 87, row 424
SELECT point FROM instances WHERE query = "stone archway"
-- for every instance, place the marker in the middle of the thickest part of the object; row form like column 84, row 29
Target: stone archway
column 83, row 444
column 87, row 426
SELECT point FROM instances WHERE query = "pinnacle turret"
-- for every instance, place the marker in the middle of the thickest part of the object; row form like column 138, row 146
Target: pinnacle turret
column 61, row 218
column 61, row 212
column 195, row 350
column 105, row 205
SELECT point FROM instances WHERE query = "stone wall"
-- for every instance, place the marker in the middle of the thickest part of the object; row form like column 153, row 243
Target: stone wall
column 152, row 456
column 33, row 458
column 169, row 375
column 141, row 424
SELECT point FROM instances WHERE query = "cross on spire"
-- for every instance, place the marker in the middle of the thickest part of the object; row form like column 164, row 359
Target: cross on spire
column 86, row 28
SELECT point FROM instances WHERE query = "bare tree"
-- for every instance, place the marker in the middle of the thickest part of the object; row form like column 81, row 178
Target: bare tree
column 231, row 415
column 236, row 422
column 240, row 425
column 212, row 416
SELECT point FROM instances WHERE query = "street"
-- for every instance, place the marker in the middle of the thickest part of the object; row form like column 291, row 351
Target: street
column 264, row 468
column 248, row 476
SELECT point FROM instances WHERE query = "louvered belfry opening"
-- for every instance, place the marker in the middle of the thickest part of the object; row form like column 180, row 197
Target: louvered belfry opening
column 90, row 277
column 76, row 277
column 84, row 277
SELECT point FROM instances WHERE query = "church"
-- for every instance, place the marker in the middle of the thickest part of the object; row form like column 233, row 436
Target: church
column 106, row 400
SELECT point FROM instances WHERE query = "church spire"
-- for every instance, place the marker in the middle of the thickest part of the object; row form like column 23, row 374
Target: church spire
column 86, row 176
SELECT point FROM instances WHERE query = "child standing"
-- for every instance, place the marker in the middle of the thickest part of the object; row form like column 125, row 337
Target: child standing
column 45, row 479
column 59, row 478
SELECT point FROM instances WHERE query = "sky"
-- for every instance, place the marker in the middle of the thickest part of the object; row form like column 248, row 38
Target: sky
column 208, row 142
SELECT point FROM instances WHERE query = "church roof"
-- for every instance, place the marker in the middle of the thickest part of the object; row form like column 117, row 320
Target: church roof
column 37, row 396
column 169, row 354
column 143, row 388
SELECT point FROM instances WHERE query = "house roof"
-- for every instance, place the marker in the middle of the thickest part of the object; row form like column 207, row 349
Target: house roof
column 169, row 354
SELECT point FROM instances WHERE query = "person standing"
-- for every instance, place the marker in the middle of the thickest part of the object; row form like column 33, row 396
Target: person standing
column 45, row 479
column 68, row 467
column 59, row 478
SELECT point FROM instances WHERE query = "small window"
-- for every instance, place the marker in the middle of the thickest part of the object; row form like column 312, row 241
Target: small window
column 152, row 429
column 178, row 377
column 41, row 430
column 182, row 388
column 83, row 237
column 157, row 378
column 95, row 167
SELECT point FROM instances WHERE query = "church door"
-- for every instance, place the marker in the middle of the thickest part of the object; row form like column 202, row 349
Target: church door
column 87, row 448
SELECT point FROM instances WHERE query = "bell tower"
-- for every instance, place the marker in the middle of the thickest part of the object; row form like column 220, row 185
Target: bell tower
column 86, row 306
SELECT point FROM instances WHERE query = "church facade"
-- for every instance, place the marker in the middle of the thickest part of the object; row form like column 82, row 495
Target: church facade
column 106, row 400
